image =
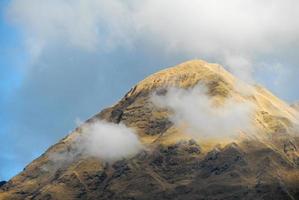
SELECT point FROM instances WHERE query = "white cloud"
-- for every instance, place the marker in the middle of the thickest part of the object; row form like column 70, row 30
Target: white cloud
column 233, row 32
column 106, row 141
column 196, row 110
column 87, row 24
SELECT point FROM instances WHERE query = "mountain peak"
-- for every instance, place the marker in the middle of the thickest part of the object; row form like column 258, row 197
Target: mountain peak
column 184, row 75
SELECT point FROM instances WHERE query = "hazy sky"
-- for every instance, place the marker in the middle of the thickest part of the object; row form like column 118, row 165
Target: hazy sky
column 62, row 60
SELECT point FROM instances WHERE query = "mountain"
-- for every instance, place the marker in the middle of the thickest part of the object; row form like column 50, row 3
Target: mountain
column 188, row 151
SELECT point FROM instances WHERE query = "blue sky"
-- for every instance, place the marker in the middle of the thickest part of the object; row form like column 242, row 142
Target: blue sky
column 12, row 58
column 13, row 54
column 65, row 60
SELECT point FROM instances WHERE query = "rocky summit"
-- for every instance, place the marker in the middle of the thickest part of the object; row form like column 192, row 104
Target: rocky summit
column 173, row 164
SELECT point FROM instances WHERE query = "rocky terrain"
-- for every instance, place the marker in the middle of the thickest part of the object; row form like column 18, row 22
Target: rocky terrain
column 176, row 165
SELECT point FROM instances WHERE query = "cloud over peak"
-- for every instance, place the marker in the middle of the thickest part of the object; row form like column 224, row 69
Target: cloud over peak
column 228, row 31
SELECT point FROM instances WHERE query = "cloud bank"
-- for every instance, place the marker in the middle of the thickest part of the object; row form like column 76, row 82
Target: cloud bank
column 195, row 109
column 233, row 32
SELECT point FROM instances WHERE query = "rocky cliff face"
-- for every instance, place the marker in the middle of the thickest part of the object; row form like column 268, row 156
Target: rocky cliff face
column 176, row 165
